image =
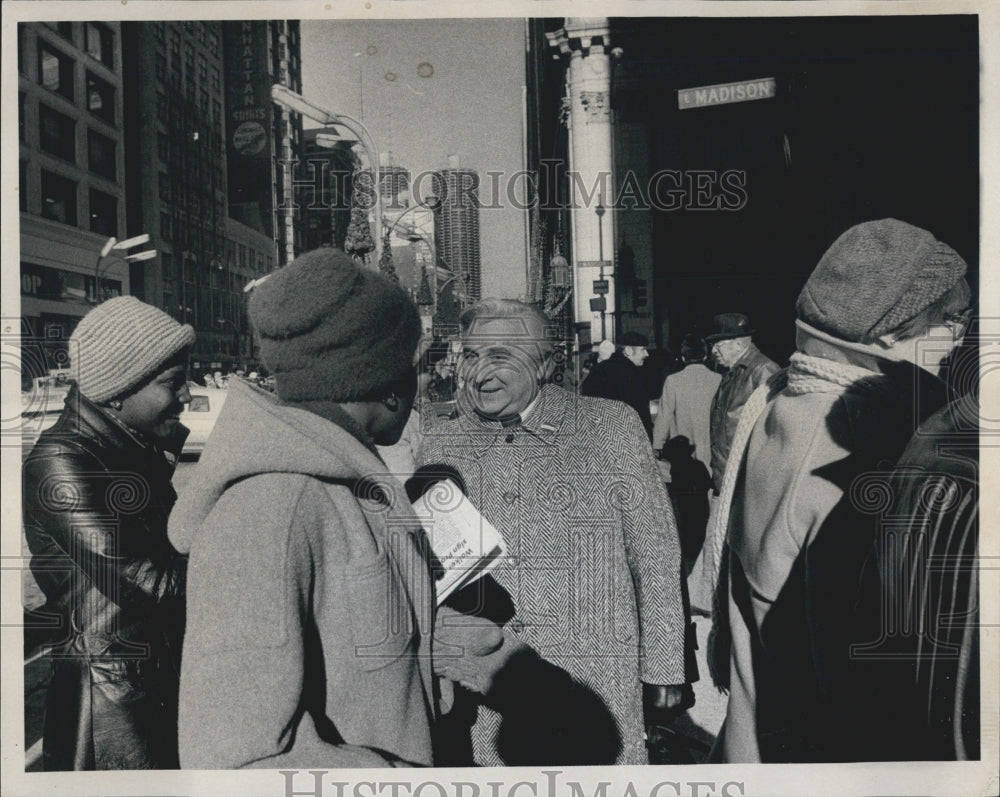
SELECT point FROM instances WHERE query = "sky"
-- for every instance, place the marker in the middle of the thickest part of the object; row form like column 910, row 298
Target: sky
column 427, row 90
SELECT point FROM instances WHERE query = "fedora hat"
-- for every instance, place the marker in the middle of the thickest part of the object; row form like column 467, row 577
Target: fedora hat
column 729, row 325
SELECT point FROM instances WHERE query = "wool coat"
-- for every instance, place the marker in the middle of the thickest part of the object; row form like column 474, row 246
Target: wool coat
column 309, row 597
column 593, row 564
column 95, row 504
column 797, row 549
column 686, row 409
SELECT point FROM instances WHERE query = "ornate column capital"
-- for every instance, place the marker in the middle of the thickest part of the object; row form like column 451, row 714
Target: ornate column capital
column 580, row 36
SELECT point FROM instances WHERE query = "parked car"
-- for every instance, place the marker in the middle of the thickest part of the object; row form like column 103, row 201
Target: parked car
column 200, row 416
column 41, row 406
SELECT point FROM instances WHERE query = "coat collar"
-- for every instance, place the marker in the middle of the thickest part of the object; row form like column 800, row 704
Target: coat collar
column 543, row 423
column 88, row 419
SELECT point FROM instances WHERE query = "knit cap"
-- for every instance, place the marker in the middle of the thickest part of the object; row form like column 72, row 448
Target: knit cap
column 121, row 343
column 875, row 277
column 332, row 330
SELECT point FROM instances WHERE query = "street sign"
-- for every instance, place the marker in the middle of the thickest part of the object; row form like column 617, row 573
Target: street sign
column 593, row 264
column 598, row 305
column 600, row 286
column 724, row 93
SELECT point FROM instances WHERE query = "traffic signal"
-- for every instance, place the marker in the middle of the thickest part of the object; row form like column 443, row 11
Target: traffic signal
column 639, row 295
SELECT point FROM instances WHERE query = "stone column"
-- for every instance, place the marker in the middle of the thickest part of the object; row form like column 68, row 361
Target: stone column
column 585, row 41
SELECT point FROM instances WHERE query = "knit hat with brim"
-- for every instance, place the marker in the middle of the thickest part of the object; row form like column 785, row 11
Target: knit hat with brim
column 330, row 330
column 876, row 277
column 120, row 344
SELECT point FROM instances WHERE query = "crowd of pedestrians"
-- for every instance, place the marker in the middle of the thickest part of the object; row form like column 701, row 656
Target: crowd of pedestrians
column 282, row 612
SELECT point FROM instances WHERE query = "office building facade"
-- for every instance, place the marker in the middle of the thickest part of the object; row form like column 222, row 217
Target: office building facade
column 186, row 154
column 72, row 185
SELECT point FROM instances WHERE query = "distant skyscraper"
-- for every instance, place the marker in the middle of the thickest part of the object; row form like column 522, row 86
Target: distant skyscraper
column 456, row 226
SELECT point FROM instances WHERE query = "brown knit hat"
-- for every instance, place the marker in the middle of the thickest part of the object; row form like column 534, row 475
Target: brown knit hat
column 876, row 277
column 331, row 330
column 121, row 343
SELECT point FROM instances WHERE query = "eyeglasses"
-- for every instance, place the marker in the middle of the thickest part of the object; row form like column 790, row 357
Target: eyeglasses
column 958, row 323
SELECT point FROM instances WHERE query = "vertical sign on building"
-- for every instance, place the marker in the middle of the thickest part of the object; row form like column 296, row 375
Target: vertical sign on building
column 249, row 122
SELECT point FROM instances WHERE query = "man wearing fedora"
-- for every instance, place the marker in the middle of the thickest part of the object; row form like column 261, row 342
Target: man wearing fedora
column 748, row 368
column 620, row 377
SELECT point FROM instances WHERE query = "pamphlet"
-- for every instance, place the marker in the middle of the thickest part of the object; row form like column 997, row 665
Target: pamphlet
column 466, row 545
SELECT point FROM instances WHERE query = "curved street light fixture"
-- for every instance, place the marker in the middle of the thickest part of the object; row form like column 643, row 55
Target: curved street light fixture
column 114, row 245
column 294, row 101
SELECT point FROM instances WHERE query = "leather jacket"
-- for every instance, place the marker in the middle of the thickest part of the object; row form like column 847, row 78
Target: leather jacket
column 96, row 498
column 745, row 376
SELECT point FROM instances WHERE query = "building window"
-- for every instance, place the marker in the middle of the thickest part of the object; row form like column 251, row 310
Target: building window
column 55, row 70
column 101, row 155
column 164, row 186
column 56, row 134
column 101, row 98
column 243, row 255
column 165, row 226
column 168, row 266
column 101, row 44
column 103, row 213
column 168, row 303
column 58, row 198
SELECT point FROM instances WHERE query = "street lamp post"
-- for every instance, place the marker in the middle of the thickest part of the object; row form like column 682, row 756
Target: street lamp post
column 291, row 100
column 114, row 245
column 599, row 210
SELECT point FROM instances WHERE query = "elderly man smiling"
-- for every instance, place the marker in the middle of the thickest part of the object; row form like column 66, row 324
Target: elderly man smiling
column 592, row 576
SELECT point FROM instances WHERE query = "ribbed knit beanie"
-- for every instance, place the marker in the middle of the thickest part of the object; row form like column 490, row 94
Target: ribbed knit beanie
column 876, row 277
column 121, row 343
column 332, row 330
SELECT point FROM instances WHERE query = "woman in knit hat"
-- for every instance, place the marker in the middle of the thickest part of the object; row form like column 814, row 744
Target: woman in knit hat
column 96, row 495
column 310, row 601
column 882, row 309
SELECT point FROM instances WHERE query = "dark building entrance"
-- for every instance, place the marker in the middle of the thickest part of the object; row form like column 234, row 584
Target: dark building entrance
column 871, row 117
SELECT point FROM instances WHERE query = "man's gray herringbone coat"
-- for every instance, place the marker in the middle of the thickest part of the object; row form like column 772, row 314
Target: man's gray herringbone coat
column 593, row 564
